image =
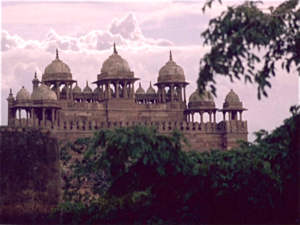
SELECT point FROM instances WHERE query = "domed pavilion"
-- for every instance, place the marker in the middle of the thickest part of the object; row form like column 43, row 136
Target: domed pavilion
column 171, row 76
column 116, row 80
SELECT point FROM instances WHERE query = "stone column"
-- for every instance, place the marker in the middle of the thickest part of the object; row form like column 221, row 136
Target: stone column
column 229, row 113
column 32, row 114
column 209, row 116
column 100, row 92
column 71, row 89
column 108, row 90
column 20, row 116
column 193, row 117
column 129, row 89
column 67, row 91
column 184, row 94
column 125, row 90
column 133, row 94
column 224, row 116
column 117, row 89
column 180, row 93
column 188, row 117
column 58, row 90
column 241, row 115
column 159, row 93
column 26, row 116
column 215, row 117
column 52, row 112
column 201, row 116
column 172, row 97
column 43, row 118
column 163, row 93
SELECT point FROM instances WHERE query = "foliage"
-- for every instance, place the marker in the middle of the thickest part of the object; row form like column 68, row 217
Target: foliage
column 241, row 34
column 151, row 180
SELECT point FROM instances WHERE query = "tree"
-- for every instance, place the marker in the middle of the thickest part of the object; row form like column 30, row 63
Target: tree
column 238, row 36
column 151, row 180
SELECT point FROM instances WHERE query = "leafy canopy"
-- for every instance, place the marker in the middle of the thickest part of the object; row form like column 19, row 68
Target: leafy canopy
column 240, row 35
column 150, row 180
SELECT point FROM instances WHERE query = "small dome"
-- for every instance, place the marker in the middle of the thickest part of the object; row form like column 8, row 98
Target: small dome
column 171, row 72
column 87, row 89
column 115, row 63
column 232, row 97
column 76, row 89
column 23, row 94
column 151, row 90
column 97, row 90
column 43, row 92
column 140, row 90
column 57, row 66
column 195, row 97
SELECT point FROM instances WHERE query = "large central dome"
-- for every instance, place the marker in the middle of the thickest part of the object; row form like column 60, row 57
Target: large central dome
column 115, row 63
column 171, row 72
column 57, row 66
column 57, row 70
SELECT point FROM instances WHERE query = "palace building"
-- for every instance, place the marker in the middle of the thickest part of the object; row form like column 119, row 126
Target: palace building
column 57, row 102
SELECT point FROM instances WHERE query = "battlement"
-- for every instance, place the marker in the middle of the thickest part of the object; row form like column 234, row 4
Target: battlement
column 233, row 126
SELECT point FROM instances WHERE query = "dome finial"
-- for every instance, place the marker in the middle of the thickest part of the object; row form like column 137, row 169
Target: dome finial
column 10, row 92
column 35, row 74
column 57, row 54
column 115, row 50
column 87, row 83
column 171, row 55
column 150, row 84
column 140, row 84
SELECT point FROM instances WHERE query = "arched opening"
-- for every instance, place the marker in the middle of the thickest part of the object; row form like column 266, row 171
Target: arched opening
column 197, row 117
column 205, row 117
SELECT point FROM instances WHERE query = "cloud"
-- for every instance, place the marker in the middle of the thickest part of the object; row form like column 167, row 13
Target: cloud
column 125, row 32
column 10, row 42
column 126, row 26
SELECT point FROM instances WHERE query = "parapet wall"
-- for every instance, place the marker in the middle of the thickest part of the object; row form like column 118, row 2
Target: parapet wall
column 79, row 124
column 29, row 175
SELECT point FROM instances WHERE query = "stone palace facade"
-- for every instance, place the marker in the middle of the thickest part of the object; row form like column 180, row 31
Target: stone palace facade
column 57, row 102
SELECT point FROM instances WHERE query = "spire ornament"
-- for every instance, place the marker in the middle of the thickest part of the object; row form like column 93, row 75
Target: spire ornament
column 171, row 55
column 35, row 75
column 115, row 50
column 57, row 54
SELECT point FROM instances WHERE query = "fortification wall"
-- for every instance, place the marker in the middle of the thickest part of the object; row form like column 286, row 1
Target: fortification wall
column 29, row 175
column 202, row 136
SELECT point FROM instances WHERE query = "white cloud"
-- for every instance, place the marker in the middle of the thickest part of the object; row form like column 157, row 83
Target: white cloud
column 125, row 32
column 10, row 42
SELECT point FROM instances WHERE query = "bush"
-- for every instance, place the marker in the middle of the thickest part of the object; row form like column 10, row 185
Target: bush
column 151, row 180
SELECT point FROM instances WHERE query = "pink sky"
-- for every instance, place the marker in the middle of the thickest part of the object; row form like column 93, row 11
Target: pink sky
column 144, row 32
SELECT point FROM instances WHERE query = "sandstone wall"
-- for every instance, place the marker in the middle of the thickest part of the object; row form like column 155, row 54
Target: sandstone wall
column 29, row 175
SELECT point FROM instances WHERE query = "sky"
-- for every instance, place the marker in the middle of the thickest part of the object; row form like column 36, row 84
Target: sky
column 144, row 32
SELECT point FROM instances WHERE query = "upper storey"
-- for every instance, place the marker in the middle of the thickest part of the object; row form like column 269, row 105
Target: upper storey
column 171, row 72
column 57, row 71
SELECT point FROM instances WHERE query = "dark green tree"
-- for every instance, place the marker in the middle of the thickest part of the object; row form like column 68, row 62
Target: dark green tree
column 240, row 35
column 151, row 180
